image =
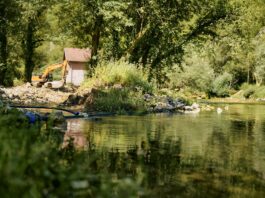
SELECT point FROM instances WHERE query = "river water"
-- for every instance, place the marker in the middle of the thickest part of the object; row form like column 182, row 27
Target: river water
column 208, row 154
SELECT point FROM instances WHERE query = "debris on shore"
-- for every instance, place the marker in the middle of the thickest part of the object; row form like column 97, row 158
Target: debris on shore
column 86, row 99
column 27, row 94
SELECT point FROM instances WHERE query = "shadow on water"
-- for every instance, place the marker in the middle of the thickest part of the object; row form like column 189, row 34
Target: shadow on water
column 180, row 156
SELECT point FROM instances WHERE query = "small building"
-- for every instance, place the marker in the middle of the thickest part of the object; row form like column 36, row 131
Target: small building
column 76, row 67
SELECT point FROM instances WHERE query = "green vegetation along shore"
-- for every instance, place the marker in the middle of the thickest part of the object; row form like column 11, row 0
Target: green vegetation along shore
column 144, row 56
column 209, row 47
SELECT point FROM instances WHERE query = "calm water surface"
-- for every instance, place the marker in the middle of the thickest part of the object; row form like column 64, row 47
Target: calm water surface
column 190, row 155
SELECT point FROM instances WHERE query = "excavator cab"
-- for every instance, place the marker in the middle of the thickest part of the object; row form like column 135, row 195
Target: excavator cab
column 47, row 76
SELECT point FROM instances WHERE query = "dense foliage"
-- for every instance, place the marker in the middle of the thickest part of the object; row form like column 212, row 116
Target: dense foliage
column 178, row 43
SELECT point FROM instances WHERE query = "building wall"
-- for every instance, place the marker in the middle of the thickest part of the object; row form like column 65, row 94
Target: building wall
column 76, row 73
column 69, row 73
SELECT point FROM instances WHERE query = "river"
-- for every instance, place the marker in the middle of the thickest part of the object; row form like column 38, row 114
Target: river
column 208, row 154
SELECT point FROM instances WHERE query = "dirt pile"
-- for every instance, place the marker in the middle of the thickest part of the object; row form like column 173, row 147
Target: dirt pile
column 27, row 94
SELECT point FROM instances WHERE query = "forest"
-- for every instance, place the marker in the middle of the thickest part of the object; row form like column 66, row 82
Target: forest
column 209, row 46
column 172, row 104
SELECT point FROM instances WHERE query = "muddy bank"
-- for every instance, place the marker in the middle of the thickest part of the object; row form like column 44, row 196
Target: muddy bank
column 85, row 100
column 27, row 94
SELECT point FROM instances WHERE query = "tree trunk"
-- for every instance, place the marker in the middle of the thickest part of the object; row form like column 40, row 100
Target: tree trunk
column 96, row 39
column 3, row 53
column 29, row 52
column 153, row 67
column 145, row 55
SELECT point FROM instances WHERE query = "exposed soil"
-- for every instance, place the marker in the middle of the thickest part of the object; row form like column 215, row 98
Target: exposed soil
column 27, row 94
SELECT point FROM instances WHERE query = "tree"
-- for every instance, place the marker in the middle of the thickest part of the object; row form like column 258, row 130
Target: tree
column 236, row 35
column 176, row 24
column 34, row 26
column 97, row 24
column 147, row 32
column 8, row 16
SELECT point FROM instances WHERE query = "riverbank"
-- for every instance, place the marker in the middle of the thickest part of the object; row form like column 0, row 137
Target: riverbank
column 231, row 101
column 117, row 98
column 29, row 95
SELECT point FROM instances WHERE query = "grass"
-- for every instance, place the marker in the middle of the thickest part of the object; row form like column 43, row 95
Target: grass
column 249, row 91
column 119, row 101
column 121, row 86
column 122, row 73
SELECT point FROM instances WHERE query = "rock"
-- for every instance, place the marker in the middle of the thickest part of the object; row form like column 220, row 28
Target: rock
column 11, row 96
column 28, row 84
column 195, row 106
column 163, row 107
column 188, row 108
column 158, row 108
column 170, row 107
column 29, row 94
column 16, row 100
column 179, row 105
column 147, row 97
column 194, row 111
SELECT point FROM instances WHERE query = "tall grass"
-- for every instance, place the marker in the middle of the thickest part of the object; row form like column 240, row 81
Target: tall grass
column 120, row 101
column 249, row 91
column 122, row 86
column 123, row 73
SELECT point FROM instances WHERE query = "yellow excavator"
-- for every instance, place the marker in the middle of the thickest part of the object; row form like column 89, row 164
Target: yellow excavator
column 46, row 77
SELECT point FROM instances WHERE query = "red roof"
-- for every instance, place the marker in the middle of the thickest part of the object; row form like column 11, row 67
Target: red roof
column 77, row 55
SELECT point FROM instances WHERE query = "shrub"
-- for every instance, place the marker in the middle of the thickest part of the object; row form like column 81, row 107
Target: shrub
column 252, row 91
column 119, row 101
column 221, row 85
column 196, row 74
column 260, row 92
column 128, row 75
column 249, row 92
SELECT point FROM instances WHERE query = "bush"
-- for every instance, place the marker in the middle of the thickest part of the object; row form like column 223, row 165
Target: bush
column 221, row 85
column 128, row 75
column 119, row 101
column 196, row 74
column 251, row 91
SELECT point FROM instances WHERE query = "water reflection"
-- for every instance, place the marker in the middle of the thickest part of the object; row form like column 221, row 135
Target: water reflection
column 75, row 131
column 181, row 155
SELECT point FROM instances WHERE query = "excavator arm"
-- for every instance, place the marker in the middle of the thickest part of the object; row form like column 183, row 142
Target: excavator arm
column 48, row 70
